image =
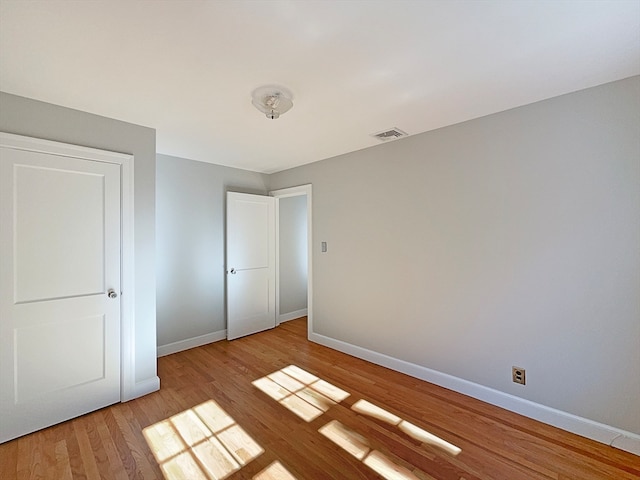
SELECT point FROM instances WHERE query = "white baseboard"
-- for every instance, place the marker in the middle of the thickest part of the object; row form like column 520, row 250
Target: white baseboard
column 146, row 386
column 176, row 347
column 285, row 317
column 600, row 432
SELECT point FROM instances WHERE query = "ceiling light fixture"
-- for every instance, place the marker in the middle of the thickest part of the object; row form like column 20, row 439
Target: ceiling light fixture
column 272, row 100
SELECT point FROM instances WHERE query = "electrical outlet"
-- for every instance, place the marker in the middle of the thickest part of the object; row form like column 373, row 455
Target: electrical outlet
column 517, row 374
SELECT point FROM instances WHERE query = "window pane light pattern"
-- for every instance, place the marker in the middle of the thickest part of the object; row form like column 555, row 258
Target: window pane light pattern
column 275, row 471
column 203, row 442
column 358, row 446
column 369, row 409
column 308, row 397
column 299, row 391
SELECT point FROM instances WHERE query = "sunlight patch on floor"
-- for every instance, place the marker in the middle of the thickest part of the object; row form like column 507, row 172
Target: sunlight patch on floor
column 347, row 439
column 302, row 393
column 379, row 463
column 308, row 397
column 369, row 409
column 358, row 446
column 275, row 471
column 203, row 442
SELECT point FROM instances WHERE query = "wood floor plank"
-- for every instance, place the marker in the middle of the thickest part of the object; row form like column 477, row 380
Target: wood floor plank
column 116, row 467
column 217, row 417
column 145, row 466
column 61, row 467
column 87, row 452
column 8, row 459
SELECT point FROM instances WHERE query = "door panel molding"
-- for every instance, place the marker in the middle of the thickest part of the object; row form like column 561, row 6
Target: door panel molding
column 128, row 387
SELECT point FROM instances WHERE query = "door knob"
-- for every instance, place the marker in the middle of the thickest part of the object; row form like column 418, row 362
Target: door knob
column 112, row 294
column 233, row 271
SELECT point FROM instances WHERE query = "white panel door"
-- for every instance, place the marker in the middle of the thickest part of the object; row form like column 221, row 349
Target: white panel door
column 60, row 258
column 250, row 264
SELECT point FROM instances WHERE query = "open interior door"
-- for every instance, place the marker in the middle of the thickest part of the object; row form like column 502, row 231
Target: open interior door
column 250, row 264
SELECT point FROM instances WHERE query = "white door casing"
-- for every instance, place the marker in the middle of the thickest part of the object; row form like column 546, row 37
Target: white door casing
column 294, row 192
column 60, row 245
column 250, row 264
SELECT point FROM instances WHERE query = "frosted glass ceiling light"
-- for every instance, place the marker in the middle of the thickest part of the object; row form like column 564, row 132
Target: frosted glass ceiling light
column 272, row 100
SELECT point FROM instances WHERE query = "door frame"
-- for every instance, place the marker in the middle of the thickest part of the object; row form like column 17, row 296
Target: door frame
column 296, row 192
column 127, row 264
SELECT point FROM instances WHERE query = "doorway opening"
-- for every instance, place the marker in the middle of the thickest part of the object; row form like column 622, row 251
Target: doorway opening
column 294, row 294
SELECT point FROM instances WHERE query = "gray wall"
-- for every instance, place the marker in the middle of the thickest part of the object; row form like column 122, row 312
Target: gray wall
column 513, row 239
column 190, row 218
column 293, row 253
column 22, row 116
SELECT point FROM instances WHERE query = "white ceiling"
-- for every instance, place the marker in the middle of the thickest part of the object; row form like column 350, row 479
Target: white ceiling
column 187, row 68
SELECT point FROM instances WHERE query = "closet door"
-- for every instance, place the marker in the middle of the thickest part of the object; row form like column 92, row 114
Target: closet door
column 59, row 288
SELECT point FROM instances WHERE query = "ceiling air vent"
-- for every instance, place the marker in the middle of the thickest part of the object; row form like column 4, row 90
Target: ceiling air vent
column 389, row 134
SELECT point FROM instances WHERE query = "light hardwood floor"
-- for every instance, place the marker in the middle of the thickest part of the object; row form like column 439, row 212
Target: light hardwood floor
column 275, row 406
